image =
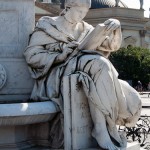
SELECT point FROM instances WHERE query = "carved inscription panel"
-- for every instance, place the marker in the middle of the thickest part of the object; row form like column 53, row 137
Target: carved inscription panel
column 82, row 124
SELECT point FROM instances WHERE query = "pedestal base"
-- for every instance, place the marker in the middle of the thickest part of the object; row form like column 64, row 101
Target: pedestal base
column 25, row 125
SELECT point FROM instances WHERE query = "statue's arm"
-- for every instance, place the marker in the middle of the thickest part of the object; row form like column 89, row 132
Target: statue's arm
column 43, row 50
column 67, row 49
column 115, row 40
column 113, row 35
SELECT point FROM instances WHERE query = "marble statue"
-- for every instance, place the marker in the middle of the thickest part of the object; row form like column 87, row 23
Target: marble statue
column 117, row 3
column 141, row 4
column 59, row 47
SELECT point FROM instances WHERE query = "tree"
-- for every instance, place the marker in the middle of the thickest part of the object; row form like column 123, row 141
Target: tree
column 56, row 1
column 132, row 63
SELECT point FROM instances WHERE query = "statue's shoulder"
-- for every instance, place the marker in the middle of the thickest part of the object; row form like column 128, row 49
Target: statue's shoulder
column 46, row 21
column 39, row 35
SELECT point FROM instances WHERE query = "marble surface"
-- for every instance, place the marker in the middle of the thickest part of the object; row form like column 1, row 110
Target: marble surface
column 95, row 100
column 27, row 113
column 22, row 124
column 17, row 23
column 80, row 120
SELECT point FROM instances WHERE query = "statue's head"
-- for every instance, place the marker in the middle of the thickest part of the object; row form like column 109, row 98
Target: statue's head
column 78, row 3
column 76, row 10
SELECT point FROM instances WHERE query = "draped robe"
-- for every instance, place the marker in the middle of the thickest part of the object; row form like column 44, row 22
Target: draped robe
column 119, row 102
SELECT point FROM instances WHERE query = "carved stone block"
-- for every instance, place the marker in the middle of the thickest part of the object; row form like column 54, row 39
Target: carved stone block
column 77, row 117
column 17, row 23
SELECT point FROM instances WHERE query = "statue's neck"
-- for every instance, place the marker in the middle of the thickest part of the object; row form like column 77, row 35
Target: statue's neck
column 68, row 26
column 71, row 29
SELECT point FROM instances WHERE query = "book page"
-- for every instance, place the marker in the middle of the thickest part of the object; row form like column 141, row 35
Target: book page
column 94, row 39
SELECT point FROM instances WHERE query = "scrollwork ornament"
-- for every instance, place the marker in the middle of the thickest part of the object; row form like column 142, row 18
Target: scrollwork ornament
column 3, row 76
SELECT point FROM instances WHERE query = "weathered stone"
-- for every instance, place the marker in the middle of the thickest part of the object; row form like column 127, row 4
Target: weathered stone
column 22, row 125
column 78, row 116
column 17, row 23
column 95, row 100
column 26, row 113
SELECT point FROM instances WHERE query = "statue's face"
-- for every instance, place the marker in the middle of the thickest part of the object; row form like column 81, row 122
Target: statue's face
column 76, row 14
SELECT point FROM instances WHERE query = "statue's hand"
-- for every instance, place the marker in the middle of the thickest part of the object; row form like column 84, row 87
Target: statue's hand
column 69, row 48
column 112, row 24
column 72, row 45
column 67, row 51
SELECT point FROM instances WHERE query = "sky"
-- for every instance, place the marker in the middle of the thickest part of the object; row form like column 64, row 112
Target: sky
column 136, row 4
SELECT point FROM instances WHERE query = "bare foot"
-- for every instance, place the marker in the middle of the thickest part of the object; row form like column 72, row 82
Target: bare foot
column 104, row 141
column 100, row 131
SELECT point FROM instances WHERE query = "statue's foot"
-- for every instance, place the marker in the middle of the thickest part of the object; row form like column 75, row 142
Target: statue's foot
column 100, row 131
column 104, row 140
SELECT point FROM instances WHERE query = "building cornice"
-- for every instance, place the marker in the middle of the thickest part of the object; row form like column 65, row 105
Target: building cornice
column 49, row 7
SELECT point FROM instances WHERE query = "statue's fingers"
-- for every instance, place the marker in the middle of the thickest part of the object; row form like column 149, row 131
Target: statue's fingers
column 72, row 45
column 69, row 50
column 114, row 26
column 69, row 39
column 107, row 22
column 75, row 43
column 110, row 26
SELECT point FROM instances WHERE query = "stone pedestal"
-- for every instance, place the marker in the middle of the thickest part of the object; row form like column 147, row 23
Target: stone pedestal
column 78, row 124
column 17, row 19
column 22, row 125
column 23, row 136
column 25, row 125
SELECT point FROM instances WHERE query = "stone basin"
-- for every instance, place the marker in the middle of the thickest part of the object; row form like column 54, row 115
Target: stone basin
column 27, row 113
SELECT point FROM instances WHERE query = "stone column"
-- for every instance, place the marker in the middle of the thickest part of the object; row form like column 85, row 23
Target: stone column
column 17, row 19
column 142, row 37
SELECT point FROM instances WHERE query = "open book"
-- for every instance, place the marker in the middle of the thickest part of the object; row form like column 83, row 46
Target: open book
column 95, row 38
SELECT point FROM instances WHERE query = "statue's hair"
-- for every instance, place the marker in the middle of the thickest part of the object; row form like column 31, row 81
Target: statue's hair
column 80, row 3
column 74, row 3
column 64, row 11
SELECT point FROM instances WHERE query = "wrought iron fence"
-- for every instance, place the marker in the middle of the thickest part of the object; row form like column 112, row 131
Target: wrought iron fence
column 140, row 132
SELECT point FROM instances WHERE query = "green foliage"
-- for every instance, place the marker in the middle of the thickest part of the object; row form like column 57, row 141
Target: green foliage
column 56, row 1
column 132, row 63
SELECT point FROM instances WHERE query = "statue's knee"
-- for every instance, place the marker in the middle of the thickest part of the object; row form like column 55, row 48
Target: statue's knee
column 92, row 65
column 106, row 63
column 102, row 64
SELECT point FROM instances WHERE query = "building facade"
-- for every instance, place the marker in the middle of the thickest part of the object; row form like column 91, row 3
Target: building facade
column 135, row 27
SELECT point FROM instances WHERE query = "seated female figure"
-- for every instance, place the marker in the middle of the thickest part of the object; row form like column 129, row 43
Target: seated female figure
column 53, row 53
